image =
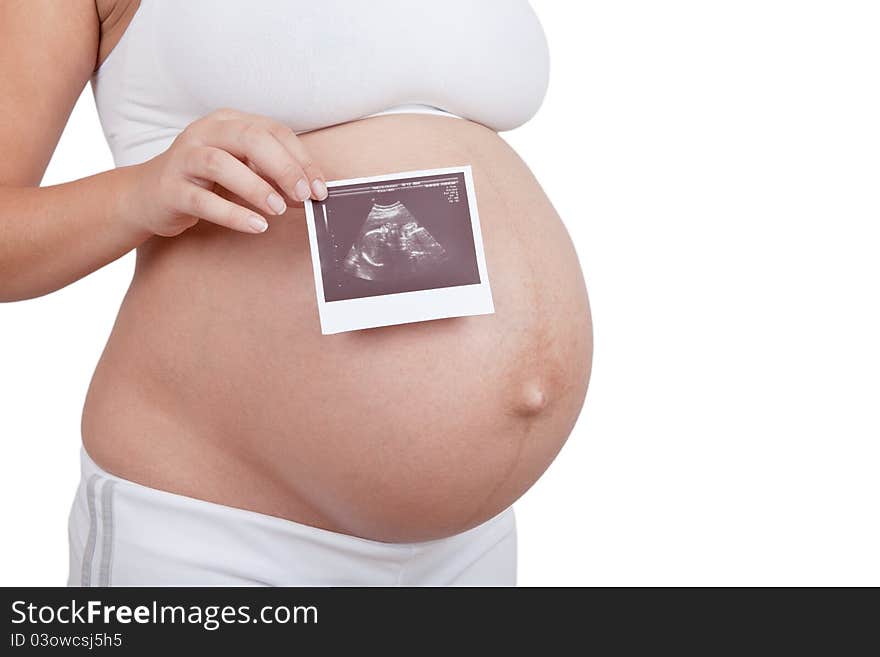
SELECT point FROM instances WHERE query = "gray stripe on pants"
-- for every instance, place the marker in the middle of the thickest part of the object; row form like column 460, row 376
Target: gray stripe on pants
column 106, row 533
column 89, row 552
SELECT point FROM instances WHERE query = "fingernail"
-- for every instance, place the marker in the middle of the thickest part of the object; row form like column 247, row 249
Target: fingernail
column 302, row 190
column 257, row 223
column 319, row 189
column 276, row 203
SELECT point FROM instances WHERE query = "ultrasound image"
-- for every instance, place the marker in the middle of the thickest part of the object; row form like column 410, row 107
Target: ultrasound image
column 395, row 236
column 391, row 245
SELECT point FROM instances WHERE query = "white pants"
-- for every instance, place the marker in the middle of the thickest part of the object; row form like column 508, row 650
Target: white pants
column 125, row 534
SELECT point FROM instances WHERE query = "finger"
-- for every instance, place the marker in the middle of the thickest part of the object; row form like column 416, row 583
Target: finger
column 294, row 145
column 203, row 126
column 250, row 139
column 216, row 165
column 225, row 113
column 253, row 167
column 207, row 205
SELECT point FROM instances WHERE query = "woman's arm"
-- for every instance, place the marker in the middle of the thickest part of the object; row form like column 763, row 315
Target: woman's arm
column 52, row 236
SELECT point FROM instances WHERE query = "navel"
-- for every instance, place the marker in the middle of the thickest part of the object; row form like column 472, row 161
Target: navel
column 532, row 399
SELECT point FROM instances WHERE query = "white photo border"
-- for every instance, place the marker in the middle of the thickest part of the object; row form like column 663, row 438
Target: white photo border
column 404, row 307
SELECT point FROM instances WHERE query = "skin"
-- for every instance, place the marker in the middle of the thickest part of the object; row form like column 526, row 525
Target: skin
column 216, row 382
column 49, row 50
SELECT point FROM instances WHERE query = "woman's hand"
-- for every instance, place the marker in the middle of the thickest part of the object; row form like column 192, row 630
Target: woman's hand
column 54, row 235
column 251, row 156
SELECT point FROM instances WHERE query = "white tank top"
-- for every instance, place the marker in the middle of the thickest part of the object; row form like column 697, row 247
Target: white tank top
column 316, row 63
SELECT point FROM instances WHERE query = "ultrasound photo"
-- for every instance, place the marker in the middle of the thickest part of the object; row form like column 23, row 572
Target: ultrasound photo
column 398, row 248
column 392, row 246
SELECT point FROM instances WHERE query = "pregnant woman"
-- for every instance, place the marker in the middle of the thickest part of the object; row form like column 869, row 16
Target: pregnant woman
column 225, row 440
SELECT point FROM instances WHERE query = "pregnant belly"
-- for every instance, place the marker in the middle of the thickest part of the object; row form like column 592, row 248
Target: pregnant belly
column 217, row 383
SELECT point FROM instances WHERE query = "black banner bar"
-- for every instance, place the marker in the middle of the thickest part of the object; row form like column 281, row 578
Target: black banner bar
column 417, row 619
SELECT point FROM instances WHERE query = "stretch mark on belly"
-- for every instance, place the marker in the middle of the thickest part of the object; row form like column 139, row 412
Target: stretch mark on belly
column 521, row 432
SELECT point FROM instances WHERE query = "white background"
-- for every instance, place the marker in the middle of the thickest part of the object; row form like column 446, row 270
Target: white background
column 718, row 167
